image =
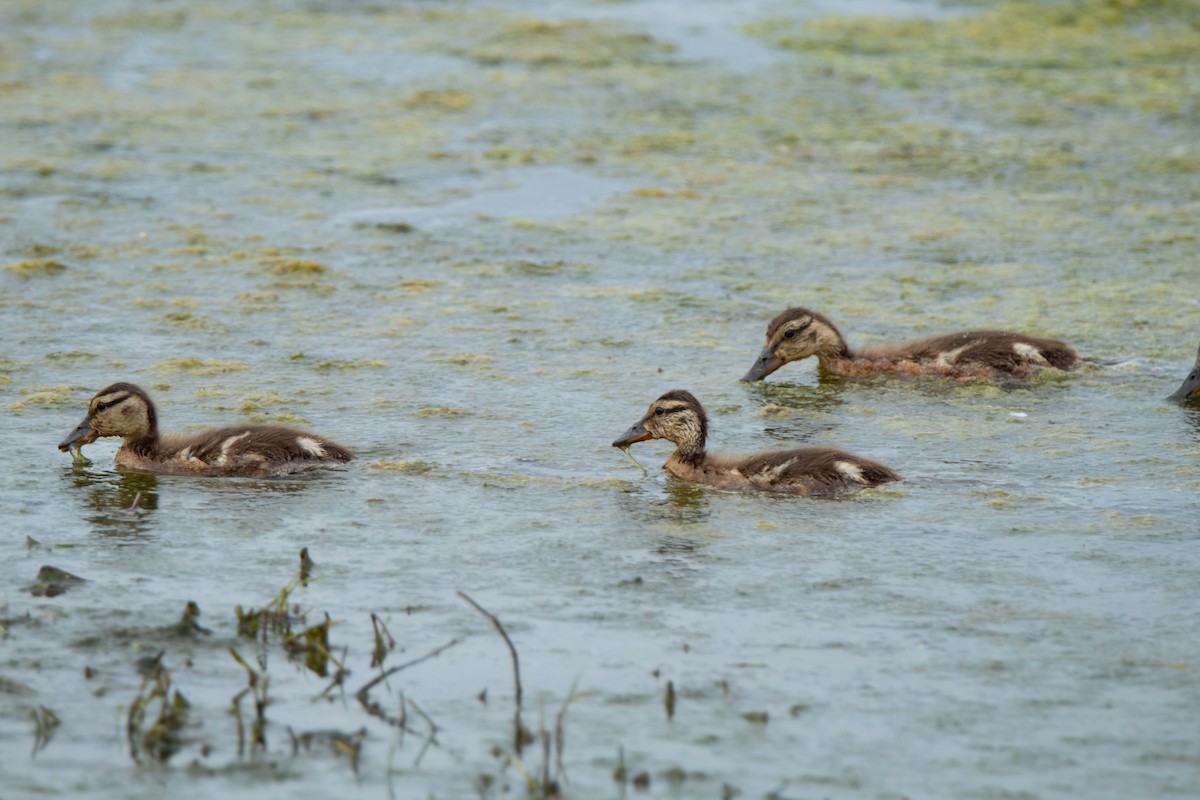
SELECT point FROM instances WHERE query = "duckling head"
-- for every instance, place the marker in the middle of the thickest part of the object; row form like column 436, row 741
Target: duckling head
column 121, row 409
column 1189, row 390
column 793, row 335
column 678, row 417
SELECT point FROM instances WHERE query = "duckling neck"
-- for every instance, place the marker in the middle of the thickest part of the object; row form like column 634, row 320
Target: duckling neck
column 835, row 349
column 691, row 454
column 146, row 446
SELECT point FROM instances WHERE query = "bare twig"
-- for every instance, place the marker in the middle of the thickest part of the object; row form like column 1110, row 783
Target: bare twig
column 511, row 649
column 433, row 730
column 369, row 685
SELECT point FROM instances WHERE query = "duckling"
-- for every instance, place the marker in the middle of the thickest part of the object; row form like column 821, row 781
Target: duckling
column 799, row 333
column 678, row 417
column 125, row 410
column 1189, row 390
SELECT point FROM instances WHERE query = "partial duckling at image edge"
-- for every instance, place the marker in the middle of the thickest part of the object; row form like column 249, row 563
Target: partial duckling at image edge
column 1189, row 390
column 125, row 410
column 678, row 417
column 798, row 333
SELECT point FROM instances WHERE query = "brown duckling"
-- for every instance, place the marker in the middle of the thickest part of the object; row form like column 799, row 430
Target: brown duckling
column 799, row 333
column 1189, row 390
column 125, row 410
column 678, row 417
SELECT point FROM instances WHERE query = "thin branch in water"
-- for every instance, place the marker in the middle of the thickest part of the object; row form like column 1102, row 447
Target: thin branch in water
column 503, row 633
column 369, row 685
column 433, row 731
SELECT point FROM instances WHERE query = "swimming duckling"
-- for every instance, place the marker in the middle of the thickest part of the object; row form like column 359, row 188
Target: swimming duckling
column 678, row 417
column 1189, row 390
column 799, row 333
column 125, row 410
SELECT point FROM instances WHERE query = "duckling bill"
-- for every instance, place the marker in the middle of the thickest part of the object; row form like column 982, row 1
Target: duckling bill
column 1189, row 390
column 798, row 333
column 678, row 417
column 125, row 410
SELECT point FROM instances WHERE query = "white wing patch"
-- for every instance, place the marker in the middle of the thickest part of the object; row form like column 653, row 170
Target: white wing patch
column 223, row 458
column 311, row 445
column 947, row 358
column 1029, row 353
column 773, row 473
column 851, row 470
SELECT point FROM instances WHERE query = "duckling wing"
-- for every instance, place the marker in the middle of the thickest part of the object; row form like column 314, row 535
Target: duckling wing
column 814, row 470
column 259, row 447
column 1001, row 350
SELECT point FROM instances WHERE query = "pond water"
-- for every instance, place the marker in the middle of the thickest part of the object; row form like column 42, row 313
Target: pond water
column 473, row 242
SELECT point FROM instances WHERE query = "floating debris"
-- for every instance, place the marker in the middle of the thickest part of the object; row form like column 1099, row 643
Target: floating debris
column 188, row 625
column 45, row 722
column 52, row 581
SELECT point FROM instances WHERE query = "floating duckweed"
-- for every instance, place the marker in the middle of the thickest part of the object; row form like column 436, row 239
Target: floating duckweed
column 157, row 302
column 185, row 319
column 575, row 43
column 412, row 467
column 418, row 284
column 31, row 267
column 356, row 363
column 256, row 402
column 447, row 100
column 200, row 366
column 462, row 359
column 319, row 288
column 293, row 266
column 654, row 192
column 442, row 411
column 385, row 227
column 45, row 397
column 71, row 356
column 282, row 417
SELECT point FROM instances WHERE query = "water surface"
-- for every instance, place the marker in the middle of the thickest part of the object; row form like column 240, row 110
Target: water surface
column 473, row 242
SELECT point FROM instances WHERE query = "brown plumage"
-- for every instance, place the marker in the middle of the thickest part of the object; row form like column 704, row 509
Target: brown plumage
column 1189, row 390
column 678, row 417
column 798, row 333
column 125, row 410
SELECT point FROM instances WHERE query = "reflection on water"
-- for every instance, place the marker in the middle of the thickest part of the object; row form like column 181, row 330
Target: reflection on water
column 826, row 395
column 1191, row 413
column 119, row 503
column 679, row 504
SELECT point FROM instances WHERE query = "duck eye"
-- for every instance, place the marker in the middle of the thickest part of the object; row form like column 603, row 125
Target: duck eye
column 102, row 406
column 789, row 333
column 659, row 411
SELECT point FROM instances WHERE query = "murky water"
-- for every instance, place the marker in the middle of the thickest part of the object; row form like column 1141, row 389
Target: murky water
column 473, row 242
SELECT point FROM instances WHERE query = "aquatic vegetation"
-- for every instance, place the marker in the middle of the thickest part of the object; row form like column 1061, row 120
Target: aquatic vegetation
column 293, row 266
column 44, row 397
column 411, row 467
column 160, row 739
column 33, row 267
column 199, row 366
column 578, row 43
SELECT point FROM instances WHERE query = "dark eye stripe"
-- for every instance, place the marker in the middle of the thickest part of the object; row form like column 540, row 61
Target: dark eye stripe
column 101, row 406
